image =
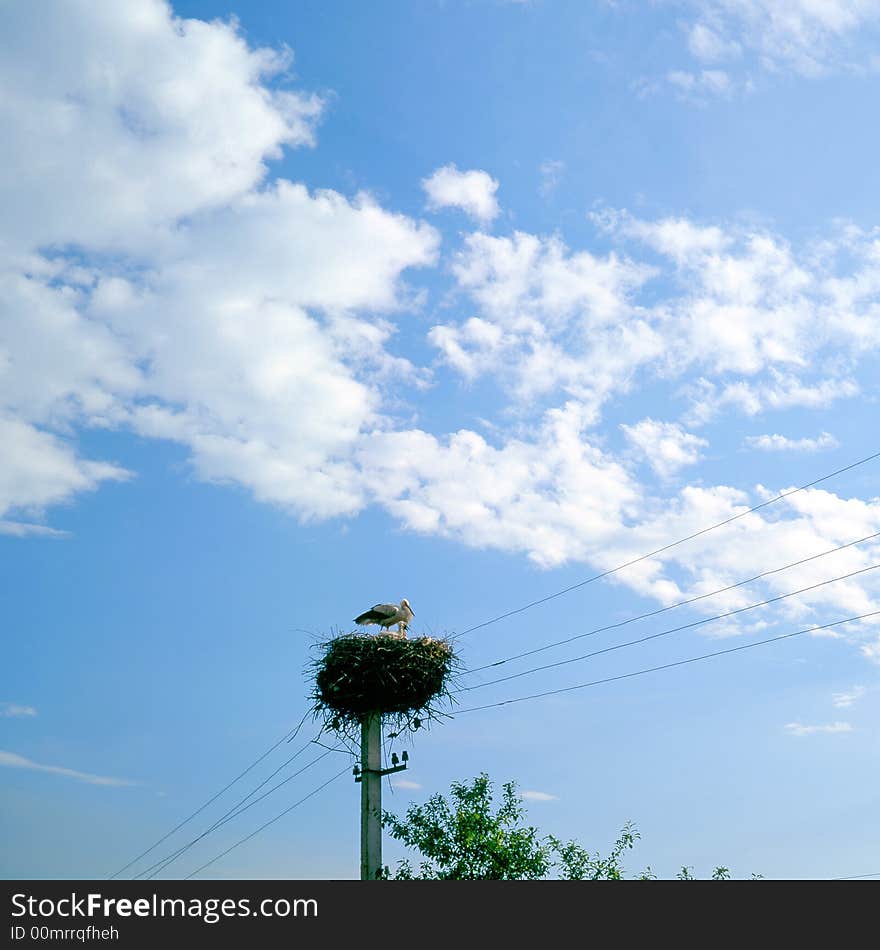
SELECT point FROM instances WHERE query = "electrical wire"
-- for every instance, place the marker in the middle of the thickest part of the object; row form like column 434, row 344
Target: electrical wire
column 660, row 610
column 266, row 825
column 233, row 812
column 664, row 633
column 285, row 738
column 665, row 666
column 672, row 544
column 237, row 810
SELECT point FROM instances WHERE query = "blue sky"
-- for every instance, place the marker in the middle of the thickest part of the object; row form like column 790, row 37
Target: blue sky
column 309, row 306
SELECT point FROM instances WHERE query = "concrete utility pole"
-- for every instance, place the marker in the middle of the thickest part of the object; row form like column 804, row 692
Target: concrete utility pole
column 371, row 796
column 369, row 774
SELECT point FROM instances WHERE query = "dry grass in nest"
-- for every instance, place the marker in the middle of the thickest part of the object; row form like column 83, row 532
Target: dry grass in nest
column 402, row 679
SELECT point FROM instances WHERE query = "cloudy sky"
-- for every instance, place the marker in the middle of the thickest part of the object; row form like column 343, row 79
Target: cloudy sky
column 308, row 306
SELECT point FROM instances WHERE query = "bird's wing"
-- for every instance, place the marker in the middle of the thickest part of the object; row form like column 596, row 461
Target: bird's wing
column 378, row 613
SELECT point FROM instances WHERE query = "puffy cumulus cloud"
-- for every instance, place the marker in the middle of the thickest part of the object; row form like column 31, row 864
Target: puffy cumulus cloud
column 665, row 445
column 810, row 524
column 745, row 304
column 474, row 347
column 229, row 317
column 55, row 363
column 549, row 319
column 319, row 251
column 558, row 498
column 781, row 443
column 254, row 323
column 250, row 348
column 680, row 239
column 804, row 36
column 38, row 469
column 739, row 321
column 555, row 497
column 120, row 118
column 748, row 302
column 744, row 320
column 525, row 280
column 472, row 191
column 775, row 391
column 240, row 343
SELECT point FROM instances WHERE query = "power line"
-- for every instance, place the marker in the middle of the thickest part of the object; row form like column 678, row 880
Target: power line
column 164, row 862
column 285, row 738
column 660, row 610
column 665, row 666
column 664, row 633
column 672, row 544
column 856, row 877
column 233, row 812
column 266, row 825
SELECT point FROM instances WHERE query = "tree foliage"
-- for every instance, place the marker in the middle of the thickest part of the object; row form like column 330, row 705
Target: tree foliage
column 465, row 838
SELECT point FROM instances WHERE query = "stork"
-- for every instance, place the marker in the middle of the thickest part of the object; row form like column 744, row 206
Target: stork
column 386, row 615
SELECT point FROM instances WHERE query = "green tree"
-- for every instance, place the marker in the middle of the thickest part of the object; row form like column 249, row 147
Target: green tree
column 575, row 863
column 465, row 838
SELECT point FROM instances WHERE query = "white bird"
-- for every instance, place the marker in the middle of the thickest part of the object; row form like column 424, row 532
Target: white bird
column 386, row 615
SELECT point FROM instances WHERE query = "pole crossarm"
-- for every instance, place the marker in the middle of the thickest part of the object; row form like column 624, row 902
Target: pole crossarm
column 359, row 771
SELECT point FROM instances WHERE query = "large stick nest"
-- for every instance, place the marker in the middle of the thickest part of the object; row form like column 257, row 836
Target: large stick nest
column 402, row 679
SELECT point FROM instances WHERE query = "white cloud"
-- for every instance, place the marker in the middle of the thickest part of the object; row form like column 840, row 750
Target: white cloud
column 808, row 523
column 56, row 364
column 781, row 443
column 39, row 469
column 405, row 784
column 252, row 319
column 254, row 323
column 664, row 445
column 709, row 46
column 776, row 391
column 548, row 319
column 755, row 320
column 679, row 239
column 834, row 728
column 750, row 306
column 808, row 37
column 748, row 302
column 14, row 761
column 21, row 529
column 555, row 498
column 224, row 310
column 16, row 711
column 471, row 191
column 697, row 85
column 847, row 698
column 472, row 348
column 531, row 796
column 135, row 119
